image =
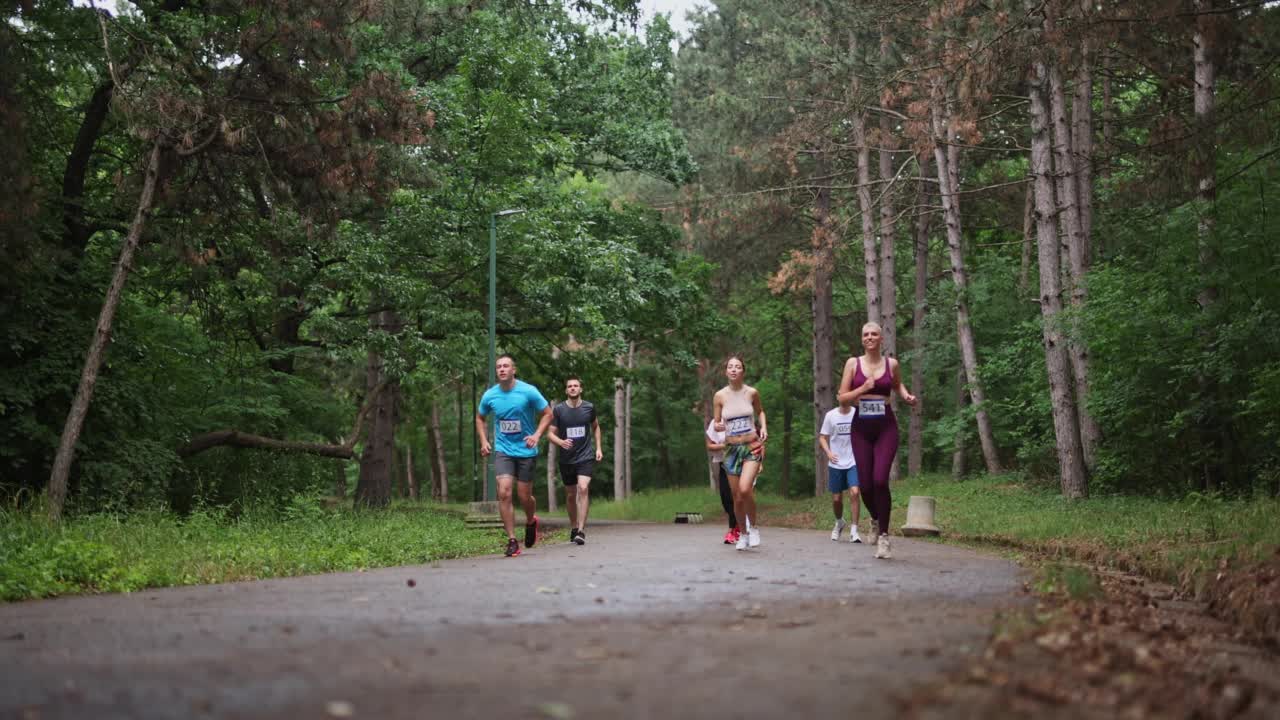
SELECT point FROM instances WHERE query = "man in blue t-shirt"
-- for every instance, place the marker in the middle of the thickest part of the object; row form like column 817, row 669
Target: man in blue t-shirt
column 522, row 416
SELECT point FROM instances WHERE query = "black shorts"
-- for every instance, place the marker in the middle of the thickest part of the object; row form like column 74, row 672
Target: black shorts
column 569, row 472
column 521, row 468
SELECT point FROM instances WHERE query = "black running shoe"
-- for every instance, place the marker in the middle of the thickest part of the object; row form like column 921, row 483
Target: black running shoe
column 531, row 532
column 513, row 547
column 580, row 538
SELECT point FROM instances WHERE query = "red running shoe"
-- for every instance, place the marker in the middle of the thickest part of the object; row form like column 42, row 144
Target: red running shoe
column 513, row 547
column 731, row 537
column 531, row 532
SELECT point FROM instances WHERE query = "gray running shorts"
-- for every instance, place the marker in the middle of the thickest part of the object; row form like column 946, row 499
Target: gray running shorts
column 521, row 468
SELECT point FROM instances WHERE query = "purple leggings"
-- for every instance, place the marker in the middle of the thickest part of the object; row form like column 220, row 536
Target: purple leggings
column 875, row 442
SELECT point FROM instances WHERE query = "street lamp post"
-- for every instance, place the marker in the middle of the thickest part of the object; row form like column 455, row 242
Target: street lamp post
column 491, row 481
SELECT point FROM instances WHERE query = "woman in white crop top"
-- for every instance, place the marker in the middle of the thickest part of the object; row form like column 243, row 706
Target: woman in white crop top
column 737, row 410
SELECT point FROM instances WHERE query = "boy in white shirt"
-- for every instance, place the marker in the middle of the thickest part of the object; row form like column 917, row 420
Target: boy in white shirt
column 842, row 473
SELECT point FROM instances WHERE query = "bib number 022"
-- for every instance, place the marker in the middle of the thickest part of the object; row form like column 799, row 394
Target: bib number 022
column 509, row 427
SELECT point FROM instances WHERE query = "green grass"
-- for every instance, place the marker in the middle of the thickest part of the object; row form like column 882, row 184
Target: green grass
column 108, row 554
column 1176, row 540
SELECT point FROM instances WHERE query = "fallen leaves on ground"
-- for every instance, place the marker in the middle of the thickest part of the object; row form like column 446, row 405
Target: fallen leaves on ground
column 1133, row 652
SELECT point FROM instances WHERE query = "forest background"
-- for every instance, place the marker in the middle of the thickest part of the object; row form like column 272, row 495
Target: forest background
column 245, row 242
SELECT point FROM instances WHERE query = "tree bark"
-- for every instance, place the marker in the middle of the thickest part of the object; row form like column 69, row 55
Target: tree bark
column 340, row 479
column 870, row 252
column 948, row 189
column 620, row 432
column 784, row 478
column 1205, row 169
column 373, row 488
column 1028, row 240
column 915, row 434
column 704, row 387
column 888, row 234
column 1071, row 466
column 440, row 489
column 823, row 244
column 411, row 482
column 57, row 489
column 631, row 365
column 76, row 231
column 1067, row 191
column 958, row 449
column 1082, row 138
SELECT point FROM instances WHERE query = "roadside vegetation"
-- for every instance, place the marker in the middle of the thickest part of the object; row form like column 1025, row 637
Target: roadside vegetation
column 109, row 553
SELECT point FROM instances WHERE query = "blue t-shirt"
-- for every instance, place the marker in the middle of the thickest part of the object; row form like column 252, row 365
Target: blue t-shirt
column 516, row 411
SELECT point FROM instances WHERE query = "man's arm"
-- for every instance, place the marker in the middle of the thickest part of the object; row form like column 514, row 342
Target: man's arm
column 482, row 433
column 543, row 423
column 554, row 437
column 599, row 447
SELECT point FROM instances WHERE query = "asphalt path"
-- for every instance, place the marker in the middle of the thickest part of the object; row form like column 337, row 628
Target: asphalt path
column 644, row 621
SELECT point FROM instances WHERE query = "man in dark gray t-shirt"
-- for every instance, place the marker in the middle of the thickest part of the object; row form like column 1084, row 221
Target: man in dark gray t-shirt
column 574, row 426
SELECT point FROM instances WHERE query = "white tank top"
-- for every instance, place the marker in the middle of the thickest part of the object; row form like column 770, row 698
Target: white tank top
column 738, row 413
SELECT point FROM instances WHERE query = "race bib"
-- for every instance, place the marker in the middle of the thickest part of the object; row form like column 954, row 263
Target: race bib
column 870, row 408
column 739, row 425
column 574, row 433
column 509, row 427
column 842, row 428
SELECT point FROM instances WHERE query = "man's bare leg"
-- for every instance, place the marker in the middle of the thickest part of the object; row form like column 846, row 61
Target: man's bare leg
column 583, row 500
column 504, row 504
column 571, row 504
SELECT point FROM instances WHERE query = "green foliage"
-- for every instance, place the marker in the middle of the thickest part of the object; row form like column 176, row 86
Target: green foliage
column 110, row 553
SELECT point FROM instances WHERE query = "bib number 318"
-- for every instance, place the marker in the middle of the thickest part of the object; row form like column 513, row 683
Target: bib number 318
column 870, row 408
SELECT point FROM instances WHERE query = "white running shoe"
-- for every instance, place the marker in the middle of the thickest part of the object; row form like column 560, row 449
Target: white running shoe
column 835, row 531
column 882, row 548
column 753, row 537
column 742, row 541
column 874, row 534
column 853, row 534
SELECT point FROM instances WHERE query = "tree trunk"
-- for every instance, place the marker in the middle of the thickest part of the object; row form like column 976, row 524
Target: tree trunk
column 1082, row 140
column 888, row 282
column 958, row 450
column 1028, row 240
column 620, row 432
column 1067, row 191
column 340, row 479
column 373, row 488
column 631, row 365
column 823, row 243
column 784, row 478
column 870, row 253
column 915, row 435
column 888, row 236
column 948, row 189
column 440, row 488
column 1071, row 465
column 410, row 482
column 57, row 490
column 1205, row 168
column 704, row 387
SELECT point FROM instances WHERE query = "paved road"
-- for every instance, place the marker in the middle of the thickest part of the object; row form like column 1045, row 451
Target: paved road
column 646, row 621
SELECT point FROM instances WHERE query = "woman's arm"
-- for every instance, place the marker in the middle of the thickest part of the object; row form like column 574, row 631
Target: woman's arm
column 903, row 392
column 764, row 427
column 851, row 394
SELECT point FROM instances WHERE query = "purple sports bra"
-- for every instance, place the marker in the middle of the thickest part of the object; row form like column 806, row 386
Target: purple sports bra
column 883, row 385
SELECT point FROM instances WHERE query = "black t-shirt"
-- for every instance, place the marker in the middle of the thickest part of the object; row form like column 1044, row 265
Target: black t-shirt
column 576, row 424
